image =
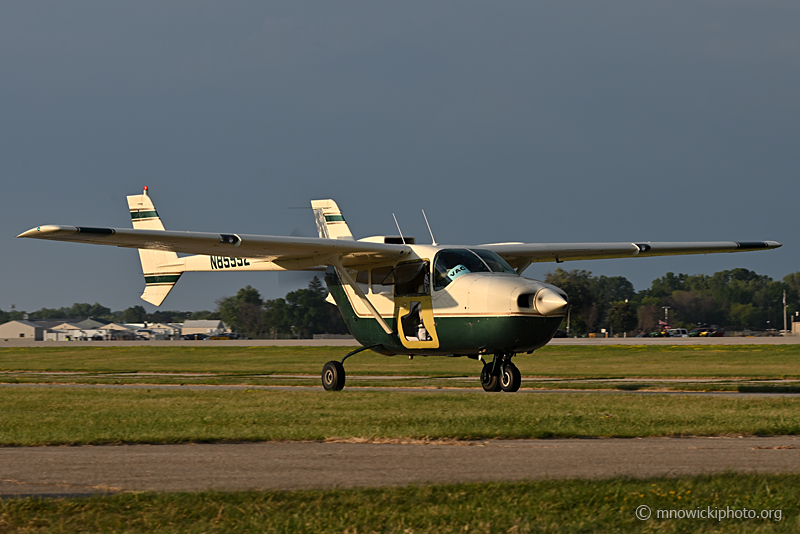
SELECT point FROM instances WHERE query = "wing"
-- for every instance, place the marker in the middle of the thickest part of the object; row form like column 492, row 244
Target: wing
column 287, row 252
column 520, row 255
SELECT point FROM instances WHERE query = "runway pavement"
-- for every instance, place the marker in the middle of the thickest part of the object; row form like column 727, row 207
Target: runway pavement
column 57, row 471
column 401, row 389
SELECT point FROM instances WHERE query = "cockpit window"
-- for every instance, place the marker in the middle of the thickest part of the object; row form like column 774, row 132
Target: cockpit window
column 495, row 262
column 451, row 263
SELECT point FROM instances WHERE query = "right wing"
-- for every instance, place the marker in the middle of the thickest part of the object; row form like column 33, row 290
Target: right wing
column 520, row 255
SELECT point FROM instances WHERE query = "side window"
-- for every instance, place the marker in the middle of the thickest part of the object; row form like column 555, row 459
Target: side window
column 362, row 280
column 412, row 278
column 382, row 282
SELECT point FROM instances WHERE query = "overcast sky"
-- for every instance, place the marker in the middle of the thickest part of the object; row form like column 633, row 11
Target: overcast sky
column 506, row 121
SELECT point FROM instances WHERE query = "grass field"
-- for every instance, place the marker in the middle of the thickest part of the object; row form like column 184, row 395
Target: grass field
column 763, row 361
column 766, row 368
column 707, row 368
column 31, row 415
column 91, row 415
column 35, row 416
column 539, row 506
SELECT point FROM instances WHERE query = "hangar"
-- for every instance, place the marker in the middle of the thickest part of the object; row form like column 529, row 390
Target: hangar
column 22, row 329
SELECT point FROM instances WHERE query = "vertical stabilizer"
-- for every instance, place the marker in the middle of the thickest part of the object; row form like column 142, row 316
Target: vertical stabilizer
column 330, row 222
column 159, row 281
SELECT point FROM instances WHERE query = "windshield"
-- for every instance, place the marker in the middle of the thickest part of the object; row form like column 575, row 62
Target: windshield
column 451, row 263
column 495, row 262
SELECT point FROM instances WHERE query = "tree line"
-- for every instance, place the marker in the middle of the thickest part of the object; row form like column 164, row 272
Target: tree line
column 134, row 314
column 301, row 314
column 734, row 299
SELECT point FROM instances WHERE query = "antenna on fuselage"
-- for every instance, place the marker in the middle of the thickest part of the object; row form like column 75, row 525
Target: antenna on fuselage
column 398, row 229
column 433, row 239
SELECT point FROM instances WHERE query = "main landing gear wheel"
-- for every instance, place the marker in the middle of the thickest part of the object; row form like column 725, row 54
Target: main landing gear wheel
column 489, row 381
column 333, row 376
column 510, row 379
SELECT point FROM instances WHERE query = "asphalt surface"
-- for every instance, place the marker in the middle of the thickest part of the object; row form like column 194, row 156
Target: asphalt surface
column 400, row 389
column 71, row 471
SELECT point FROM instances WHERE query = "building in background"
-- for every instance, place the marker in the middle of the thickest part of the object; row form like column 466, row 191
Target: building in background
column 208, row 327
column 22, row 330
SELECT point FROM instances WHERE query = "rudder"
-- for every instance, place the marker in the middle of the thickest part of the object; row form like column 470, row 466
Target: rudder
column 329, row 219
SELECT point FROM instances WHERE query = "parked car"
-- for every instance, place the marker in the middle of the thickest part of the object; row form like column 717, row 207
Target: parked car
column 678, row 332
column 194, row 337
column 705, row 331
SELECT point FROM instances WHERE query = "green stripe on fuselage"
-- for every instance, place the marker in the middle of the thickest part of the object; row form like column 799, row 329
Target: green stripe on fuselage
column 162, row 279
column 460, row 335
column 144, row 214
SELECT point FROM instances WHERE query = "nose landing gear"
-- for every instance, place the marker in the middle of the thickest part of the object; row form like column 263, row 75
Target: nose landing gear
column 510, row 379
column 501, row 374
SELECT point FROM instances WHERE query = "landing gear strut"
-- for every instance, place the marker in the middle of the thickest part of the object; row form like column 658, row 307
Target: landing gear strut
column 501, row 374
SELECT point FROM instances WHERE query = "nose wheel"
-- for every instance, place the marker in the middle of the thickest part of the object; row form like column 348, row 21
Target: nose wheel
column 501, row 375
column 510, row 379
column 489, row 381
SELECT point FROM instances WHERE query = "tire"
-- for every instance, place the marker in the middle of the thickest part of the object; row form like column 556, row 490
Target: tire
column 488, row 381
column 333, row 376
column 510, row 379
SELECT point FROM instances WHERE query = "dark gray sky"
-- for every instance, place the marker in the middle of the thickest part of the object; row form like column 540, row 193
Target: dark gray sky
column 506, row 121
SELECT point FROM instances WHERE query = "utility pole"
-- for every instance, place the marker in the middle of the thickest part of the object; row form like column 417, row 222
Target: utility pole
column 784, row 312
column 569, row 308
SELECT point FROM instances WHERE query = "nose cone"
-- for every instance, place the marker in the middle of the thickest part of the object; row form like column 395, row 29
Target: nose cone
column 548, row 302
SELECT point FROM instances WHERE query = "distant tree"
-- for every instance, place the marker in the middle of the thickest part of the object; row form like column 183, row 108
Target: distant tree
column 648, row 314
column 590, row 297
column 310, row 314
column 243, row 313
column 277, row 318
column 134, row 314
column 664, row 286
column 743, row 314
column 688, row 308
column 581, row 292
column 49, row 313
column 205, row 314
column 621, row 317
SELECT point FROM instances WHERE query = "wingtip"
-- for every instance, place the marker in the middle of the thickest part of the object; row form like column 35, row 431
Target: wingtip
column 48, row 229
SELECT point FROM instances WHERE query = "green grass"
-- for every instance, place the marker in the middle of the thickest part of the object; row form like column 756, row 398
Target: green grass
column 755, row 361
column 539, row 506
column 90, row 415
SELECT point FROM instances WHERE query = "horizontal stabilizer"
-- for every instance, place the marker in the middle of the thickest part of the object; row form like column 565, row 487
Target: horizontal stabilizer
column 158, row 287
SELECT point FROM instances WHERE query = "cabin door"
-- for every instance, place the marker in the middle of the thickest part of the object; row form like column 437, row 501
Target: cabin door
column 413, row 310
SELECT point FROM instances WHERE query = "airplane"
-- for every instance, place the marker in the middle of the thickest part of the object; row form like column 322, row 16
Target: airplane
column 397, row 297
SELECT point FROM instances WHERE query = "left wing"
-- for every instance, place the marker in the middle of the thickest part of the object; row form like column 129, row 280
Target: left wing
column 287, row 253
column 521, row 255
